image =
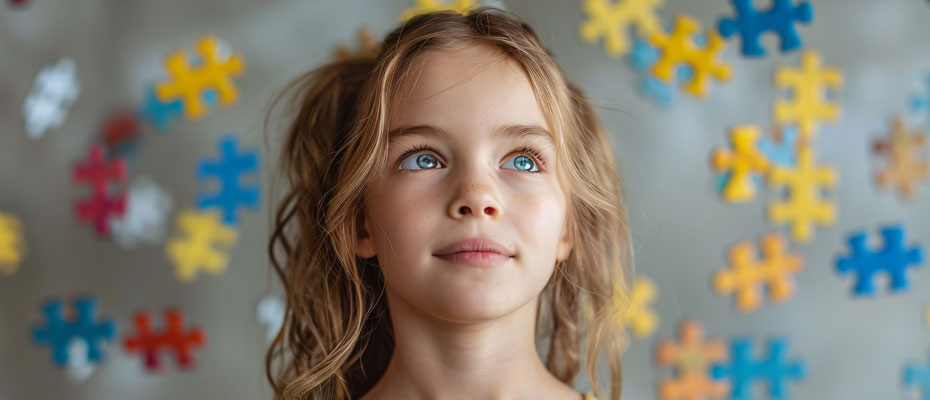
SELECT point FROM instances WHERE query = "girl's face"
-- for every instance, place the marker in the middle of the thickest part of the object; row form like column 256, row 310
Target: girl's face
column 473, row 181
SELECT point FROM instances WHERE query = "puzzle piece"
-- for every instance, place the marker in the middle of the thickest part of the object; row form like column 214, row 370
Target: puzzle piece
column 776, row 270
column 691, row 359
column 642, row 319
column 172, row 338
column 807, row 84
column 59, row 332
column 904, row 169
column 162, row 115
column 778, row 148
column 369, row 47
column 779, row 19
column 893, row 259
column 79, row 367
column 643, row 57
column 146, row 215
column 121, row 136
column 744, row 161
column 228, row 169
column 612, row 20
column 270, row 314
column 53, row 91
column 12, row 245
column 204, row 248
column 190, row 84
column 919, row 377
column 679, row 47
column 425, row 6
column 743, row 371
column 99, row 207
column 922, row 101
column 804, row 205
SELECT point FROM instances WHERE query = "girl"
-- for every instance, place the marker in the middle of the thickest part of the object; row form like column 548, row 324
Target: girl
column 448, row 194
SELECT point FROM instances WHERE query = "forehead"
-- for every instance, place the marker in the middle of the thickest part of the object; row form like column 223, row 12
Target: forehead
column 476, row 88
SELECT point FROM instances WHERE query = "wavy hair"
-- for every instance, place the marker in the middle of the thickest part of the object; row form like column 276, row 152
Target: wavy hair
column 337, row 338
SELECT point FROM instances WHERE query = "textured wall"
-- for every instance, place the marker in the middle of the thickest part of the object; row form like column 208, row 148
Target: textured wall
column 854, row 348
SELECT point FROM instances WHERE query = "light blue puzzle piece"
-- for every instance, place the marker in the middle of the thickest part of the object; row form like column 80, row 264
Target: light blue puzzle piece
column 642, row 58
column 743, row 370
column 919, row 377
column 162, row 115
column 227, row 170
column 783, row 154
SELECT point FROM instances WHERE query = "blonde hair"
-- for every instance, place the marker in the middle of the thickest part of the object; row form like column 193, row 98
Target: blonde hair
column 337, row 337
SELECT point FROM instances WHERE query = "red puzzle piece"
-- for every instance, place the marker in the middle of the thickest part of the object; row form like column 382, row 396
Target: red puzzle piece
column 172, row 338
column 99, row 206
column 120, row 128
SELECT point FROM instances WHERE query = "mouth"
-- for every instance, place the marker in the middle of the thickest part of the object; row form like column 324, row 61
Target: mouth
column 480, row 259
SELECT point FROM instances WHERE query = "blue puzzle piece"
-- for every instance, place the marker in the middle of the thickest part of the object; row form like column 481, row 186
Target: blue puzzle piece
column 227, row 170
column 922, row 101
column 162, row 115
column 893, row 259
column 59, row 333
column 743, row 370
column 918, row 376
column 751, row 24
column 642, row 58
column 783, row 154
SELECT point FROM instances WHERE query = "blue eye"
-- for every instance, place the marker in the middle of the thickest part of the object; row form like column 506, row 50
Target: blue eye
column 429, row 161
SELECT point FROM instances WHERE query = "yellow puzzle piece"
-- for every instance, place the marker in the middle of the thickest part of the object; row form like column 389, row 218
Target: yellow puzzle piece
column 189, row 84
column 369, row 46
column 12, row 246
column 691, row 359
column 679, row 47
column 807, row 85
column 748, row 274
column 638, row 315
column 424, row 6
column 905, row 168
column 612, row 19
column 804, row 205
column 743, row 162
column 198, row 251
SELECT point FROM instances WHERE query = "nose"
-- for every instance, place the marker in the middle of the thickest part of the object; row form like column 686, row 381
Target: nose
column 475, row 198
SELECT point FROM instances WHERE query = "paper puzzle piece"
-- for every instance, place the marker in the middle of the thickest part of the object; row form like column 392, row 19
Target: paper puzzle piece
column 742, row 370
column 639, row 316
column 270, row 314
column 679, row 48
column 893, row 259
column 173, row 338
column 190, row 84
column 779, row 19
column 612, row 20
column 425, row 6
column 203, row 247
column 162, row 115
column 775, row 270
column 60, row 330
column 12, row 244
column 779, row 148
column 918, row 377
column 804, row 205
column 53, row 91
column 808, row 106
column 228, row 170
column 907, row 164
column 691, row 359
column 146, row 216
column 643, row 57
column 742, row 163
column 120, row 134
column 79, row 367
column 369, row 46
column 100, row 206
column 922, row 101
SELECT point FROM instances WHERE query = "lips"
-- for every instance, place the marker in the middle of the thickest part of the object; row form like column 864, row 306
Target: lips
column 477, row 244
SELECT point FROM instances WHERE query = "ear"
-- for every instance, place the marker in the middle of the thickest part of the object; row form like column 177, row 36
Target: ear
column 364, row 243
column 565, row 246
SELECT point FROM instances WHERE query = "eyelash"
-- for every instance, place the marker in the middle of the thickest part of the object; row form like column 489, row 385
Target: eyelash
column 525, row 150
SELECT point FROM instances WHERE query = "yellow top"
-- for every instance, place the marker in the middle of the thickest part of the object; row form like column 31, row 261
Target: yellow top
column 588, row 397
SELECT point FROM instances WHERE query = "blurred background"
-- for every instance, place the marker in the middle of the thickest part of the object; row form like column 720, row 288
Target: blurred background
column 78, row 80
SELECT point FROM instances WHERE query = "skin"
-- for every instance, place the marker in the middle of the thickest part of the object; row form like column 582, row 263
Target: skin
column 464, row 332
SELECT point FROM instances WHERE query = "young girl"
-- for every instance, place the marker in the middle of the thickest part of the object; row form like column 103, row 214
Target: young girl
column 452, row 199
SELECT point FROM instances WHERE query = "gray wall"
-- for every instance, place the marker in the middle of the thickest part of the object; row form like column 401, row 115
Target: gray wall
column 854, row 348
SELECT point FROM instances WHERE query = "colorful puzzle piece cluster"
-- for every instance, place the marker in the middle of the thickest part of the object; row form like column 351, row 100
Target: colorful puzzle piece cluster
column 742, row 163
column 100, row 206
column 894, row 259
column 779, row 148
column 743, row 370
column 691, row 359
column 780, row 19
column 190, row 84
column 612, row 20
column 905, row 168
column 12, row 245
column 424, row 6
column 642, row 58
column 82, row 324
column 54, row 90
column 173, row 338
column 776, row 270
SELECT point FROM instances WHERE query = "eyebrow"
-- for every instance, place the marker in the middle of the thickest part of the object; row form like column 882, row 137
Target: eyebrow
column 509, row 130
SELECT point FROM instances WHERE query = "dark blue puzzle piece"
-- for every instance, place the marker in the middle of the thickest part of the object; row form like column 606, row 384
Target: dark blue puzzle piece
column 893, row 259
column 743, row 370
column 59, row 333
column 227, row 170
column 751, row 24
column 919, row 377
